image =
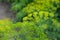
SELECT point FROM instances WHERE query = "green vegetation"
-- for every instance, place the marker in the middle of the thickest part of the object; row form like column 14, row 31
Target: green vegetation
column 35, row 20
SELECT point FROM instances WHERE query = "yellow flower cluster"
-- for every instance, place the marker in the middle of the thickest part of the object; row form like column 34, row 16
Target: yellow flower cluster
column 41, row 9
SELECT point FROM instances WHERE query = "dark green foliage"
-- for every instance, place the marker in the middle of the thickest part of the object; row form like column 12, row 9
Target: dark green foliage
column 18, row 5
column 19, row 16
column 57, row 14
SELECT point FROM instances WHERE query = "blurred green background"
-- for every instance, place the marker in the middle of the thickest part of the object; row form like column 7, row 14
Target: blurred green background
column 35, row 20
